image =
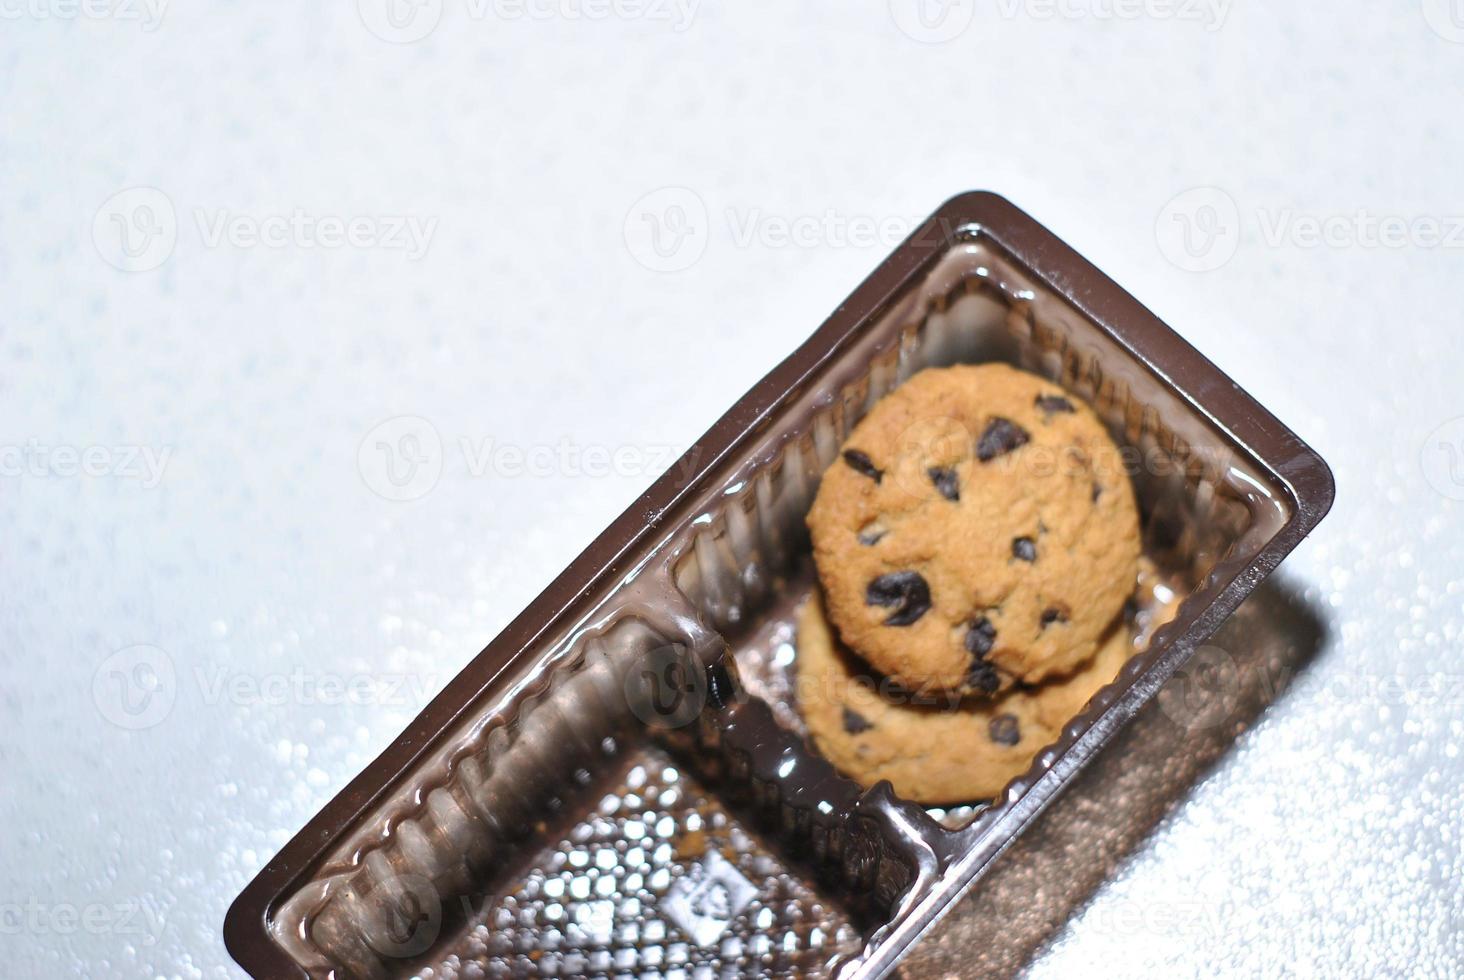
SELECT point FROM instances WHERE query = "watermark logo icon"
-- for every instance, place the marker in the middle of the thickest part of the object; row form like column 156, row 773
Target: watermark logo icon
column 940, row 441
column 1204, row 692
column 1199, row 230
column 1442, row 459
column 400, row 21
column 666, row 688
column 136, row 687
column 401, row 459
column 933, row 21
column 1446, row 17
column 666, row 230
column 413, row 916
column 136, row 229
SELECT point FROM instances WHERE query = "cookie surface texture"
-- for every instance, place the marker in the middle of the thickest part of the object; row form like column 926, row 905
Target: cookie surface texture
column 977, row 530
column 934, row 748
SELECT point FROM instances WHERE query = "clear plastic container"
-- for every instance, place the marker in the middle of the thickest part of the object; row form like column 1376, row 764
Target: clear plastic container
column 620, row 785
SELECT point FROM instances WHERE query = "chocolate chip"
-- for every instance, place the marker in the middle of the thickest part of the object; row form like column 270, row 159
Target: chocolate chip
column 983, row 677
column 1051, row 404
column 1053, row 615
column 1005, row 730
column 980, row 638
column 860, row 463
column 1001, row 437
column 870, row 536
column 945, row 481
column 1024, row 549
column 854, row 722
column 1097, row 492
column 907, row 591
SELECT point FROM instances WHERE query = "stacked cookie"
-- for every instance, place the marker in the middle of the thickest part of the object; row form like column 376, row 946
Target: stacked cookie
column 976, row 544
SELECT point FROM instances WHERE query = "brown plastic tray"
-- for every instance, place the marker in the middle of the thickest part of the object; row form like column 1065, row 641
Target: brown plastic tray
column 618, row 784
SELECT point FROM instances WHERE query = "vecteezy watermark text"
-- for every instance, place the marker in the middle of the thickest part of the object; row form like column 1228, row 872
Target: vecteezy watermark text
column 137, row 230
column 408, row 21
column 1212, row 14
column 137, row 687
column 139, row 919
column 1202, row 228
column 1127, row 917
column 678, row 14
column 144, row 464
column 407, row 233
column 939, row 21
column 404, row 457
column 1359, row 229
column 310, row 687
column 147, row 13
column 832, row 229
column 670, row 228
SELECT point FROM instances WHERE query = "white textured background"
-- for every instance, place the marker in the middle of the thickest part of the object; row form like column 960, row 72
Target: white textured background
column 140, row 789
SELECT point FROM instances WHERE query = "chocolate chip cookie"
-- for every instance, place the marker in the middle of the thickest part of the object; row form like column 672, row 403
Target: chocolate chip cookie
column 978, row 530
column 933, row 748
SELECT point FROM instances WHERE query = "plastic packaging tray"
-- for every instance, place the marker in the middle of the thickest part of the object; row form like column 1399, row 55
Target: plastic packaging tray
column 617, row 785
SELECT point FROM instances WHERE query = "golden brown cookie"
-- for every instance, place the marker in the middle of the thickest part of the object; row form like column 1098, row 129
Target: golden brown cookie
column 978, row 529
column 934, row 748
